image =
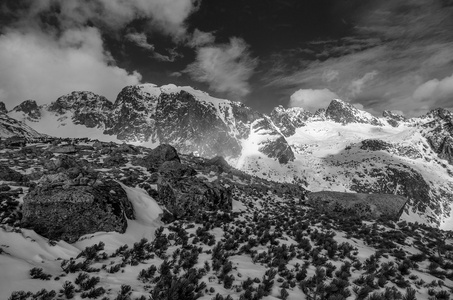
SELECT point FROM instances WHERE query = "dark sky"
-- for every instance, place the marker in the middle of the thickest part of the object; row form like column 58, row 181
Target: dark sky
column 380, row 54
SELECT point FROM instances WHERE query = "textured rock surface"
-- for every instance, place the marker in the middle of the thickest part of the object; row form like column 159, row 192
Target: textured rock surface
column 2, row 108
column 188, row 196
column 88, row 108
column 343, row 112
column 159, row 155
column 199, row 127
column 29, row 108
column 69, row 212
column 439, row 133
column 370, row 205
column 275, row 144
column 9, row 174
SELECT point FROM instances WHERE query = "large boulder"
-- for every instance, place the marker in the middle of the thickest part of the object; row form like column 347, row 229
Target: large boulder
column 363, row 205
column 60, row 211
column 159, row 155
column 175, row 169
column 187, row 197
column 8, row 174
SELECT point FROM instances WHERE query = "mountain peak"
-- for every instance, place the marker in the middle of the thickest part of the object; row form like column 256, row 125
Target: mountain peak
column 345, row 113
column 30, row 108
column 2, row 108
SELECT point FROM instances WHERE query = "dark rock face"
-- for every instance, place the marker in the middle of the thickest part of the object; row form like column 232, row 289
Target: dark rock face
column 244, row 116
column 199, row 127
column 159, row 155
column 342, row 112
column 400, row 180
column 276, row 146
column 219, row 164
column 69, row 212
column 89, row 109
column 394, row 119
column 132, row 118
column 175, row 169
column 189, row 196
column 29, row 108
column 375, row 145
column 439, row 133
column 364, row 205
column 283, row 122
column 8, row 174
column 2, row 108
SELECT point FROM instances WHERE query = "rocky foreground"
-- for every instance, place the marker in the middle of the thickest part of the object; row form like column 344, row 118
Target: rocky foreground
column 194, row 228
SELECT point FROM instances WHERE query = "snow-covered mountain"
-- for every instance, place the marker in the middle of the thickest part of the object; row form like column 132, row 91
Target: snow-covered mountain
column 339, row 148
column 10, row 127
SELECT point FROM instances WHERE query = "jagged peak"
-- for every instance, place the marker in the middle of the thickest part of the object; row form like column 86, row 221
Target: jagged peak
column 343, row 112
column 79, row 99
column 3, row 108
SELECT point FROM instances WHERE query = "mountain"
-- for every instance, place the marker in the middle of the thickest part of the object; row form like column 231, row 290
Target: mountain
column 339, row 148
column 10, row 127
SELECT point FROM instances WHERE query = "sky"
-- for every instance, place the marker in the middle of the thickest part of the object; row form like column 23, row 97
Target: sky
column 376, row 54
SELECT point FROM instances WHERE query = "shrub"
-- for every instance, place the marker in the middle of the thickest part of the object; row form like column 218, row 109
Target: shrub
column 37, row 273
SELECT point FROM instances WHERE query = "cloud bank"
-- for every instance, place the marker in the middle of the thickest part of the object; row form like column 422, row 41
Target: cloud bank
column 311, row 99
column 54, row 47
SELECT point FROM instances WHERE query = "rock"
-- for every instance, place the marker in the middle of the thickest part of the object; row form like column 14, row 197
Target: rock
column 159, row 155
column 363, row 205
column 65, row 162
column 393, row 118
column 175, row 169
column 274, row 145
column 375, row 145
column 190, row 196
column 2, row 108
column 220, row 163
column 345, row 113
column 67, row 213
column 30, row 108
column 8, row 174
column 65, row 149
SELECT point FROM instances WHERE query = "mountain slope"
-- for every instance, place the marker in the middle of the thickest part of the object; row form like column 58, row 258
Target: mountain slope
column 339, row 148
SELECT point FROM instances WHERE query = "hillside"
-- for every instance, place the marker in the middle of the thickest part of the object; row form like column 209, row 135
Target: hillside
column 267, row 243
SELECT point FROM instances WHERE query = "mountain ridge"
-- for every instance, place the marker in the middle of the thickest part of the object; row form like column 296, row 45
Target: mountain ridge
column 340, row 148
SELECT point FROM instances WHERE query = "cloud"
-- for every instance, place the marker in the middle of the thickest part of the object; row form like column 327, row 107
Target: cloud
column 37, row 66
column 140, row 40
column 225, row 68
column 436, row 91
column 165, row 16
column 312, row 99
column 201, row 38
column 357, row 85
column 399, row 45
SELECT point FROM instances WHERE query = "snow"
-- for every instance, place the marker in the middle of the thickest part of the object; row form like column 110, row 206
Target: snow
column 28, row 249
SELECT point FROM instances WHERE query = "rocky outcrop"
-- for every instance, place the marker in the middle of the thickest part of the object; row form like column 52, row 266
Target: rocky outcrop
column 158, row 156
column 132, row 118
column 2, row 108
column 88, row 108
column 60, row 211
column 188, row 197
column 8, row 174
column 274, row 145
column 11, row 127
column 200, row 126
column 439, row 133
column 345, row 113
column 363, row 205
column 393, row 118
column 29, row 108
column 287, row 120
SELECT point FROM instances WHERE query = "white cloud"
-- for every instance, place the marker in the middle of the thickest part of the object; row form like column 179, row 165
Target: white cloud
column 312, row 99
column 139, row 39
column 435, row 90
column 37, row 66
column 226, row 68
column 357, row 85
column 201, row 38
